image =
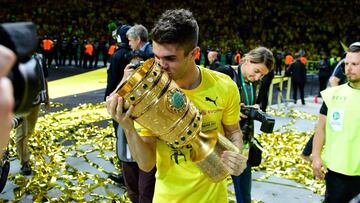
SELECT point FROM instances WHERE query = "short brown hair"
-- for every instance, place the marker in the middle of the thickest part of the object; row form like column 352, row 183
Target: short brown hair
column 177, row 27
column 260, row 55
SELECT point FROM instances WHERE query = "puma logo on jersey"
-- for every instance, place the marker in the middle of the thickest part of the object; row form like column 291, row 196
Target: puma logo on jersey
column 211, row 100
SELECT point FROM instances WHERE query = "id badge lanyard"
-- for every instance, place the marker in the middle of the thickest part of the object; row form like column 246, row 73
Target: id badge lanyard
column 247, row 102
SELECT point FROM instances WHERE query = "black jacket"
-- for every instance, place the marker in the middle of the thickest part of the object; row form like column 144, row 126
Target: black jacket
column 118, row 61
column 297, row 71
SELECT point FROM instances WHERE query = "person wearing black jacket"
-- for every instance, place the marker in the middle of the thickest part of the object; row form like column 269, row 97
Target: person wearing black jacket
column 263, row 95
column 118, row 60
column 297, row 71
column 115, row 72
column 325, row 71
column 213, row 60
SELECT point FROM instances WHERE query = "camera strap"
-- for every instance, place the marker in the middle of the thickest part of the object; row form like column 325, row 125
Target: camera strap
column 243, row 84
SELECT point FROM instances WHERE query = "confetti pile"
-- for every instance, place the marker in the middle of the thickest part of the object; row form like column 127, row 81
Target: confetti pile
column 86, row 130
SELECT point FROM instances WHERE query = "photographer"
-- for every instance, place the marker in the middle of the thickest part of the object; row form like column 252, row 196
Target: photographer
column 24, row 75
column 27, row 124
column 253, row 67
column 7, row 60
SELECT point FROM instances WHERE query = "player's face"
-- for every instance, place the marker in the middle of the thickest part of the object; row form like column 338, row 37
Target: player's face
column 173, row 60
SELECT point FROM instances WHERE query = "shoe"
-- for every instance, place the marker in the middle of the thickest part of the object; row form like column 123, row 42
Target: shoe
column 26, row 169
column 119, row 179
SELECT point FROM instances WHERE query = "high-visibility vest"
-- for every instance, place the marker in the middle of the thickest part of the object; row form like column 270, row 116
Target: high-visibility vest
column 47, row 44
column 342, row 130
column 237, row 58
column 288, row 59
column 111, row 50
column 303, row 60
column 89, row 49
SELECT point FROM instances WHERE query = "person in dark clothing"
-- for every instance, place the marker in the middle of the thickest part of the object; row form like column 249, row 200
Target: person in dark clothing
column 82, row 50
column 263, row 95
column 338, row 76
column 138, row 40
column 297, row 71
column 118, row 60
column 55, row 52
column 73, row 47
column 213, row 60
column 206, row 61
column 278, row 62
column 104, row 47
column 216, row 66
column 229, row 57
column 115, row 72
column 63, row 51
column 96, row 53
column 324, row 73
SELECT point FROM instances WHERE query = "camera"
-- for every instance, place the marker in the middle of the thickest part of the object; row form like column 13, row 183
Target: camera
column 267, row 123
column 27, row 76
column 4, row 169
column 136, row 65
column 136, row 59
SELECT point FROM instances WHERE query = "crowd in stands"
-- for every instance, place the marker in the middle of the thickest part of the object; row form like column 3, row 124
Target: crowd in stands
column 224, row 25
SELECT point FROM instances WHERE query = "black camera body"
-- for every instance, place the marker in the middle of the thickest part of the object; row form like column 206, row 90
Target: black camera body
column 267, row 123
column 136, row 59
column 136, row 65
column 26, row 75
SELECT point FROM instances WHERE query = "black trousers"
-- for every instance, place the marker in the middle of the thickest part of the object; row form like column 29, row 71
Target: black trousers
column 278, row 69
column 140, row 185
column 323, row 80
column 341, row 188
column 308, row 147
column 300, row 86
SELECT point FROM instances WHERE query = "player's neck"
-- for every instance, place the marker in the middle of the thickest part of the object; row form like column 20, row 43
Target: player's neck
column 192, row 80
column 243, row 72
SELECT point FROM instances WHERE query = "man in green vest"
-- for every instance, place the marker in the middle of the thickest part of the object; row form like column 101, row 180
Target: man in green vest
column 337, row 138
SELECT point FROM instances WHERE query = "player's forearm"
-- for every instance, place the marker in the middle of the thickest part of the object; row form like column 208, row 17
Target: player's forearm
column 143, row 152
column 236, row 137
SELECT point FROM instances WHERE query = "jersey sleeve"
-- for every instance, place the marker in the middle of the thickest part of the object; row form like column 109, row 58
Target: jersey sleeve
column 232, row 100
column 142, row 131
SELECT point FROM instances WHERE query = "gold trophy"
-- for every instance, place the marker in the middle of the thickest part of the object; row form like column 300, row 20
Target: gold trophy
column 161, row 107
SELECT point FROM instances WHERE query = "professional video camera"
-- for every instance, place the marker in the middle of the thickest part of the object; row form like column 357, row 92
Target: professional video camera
column 267, row 123
column 26, row 75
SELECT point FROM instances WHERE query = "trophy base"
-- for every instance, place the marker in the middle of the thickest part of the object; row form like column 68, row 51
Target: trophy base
column 207, row 151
